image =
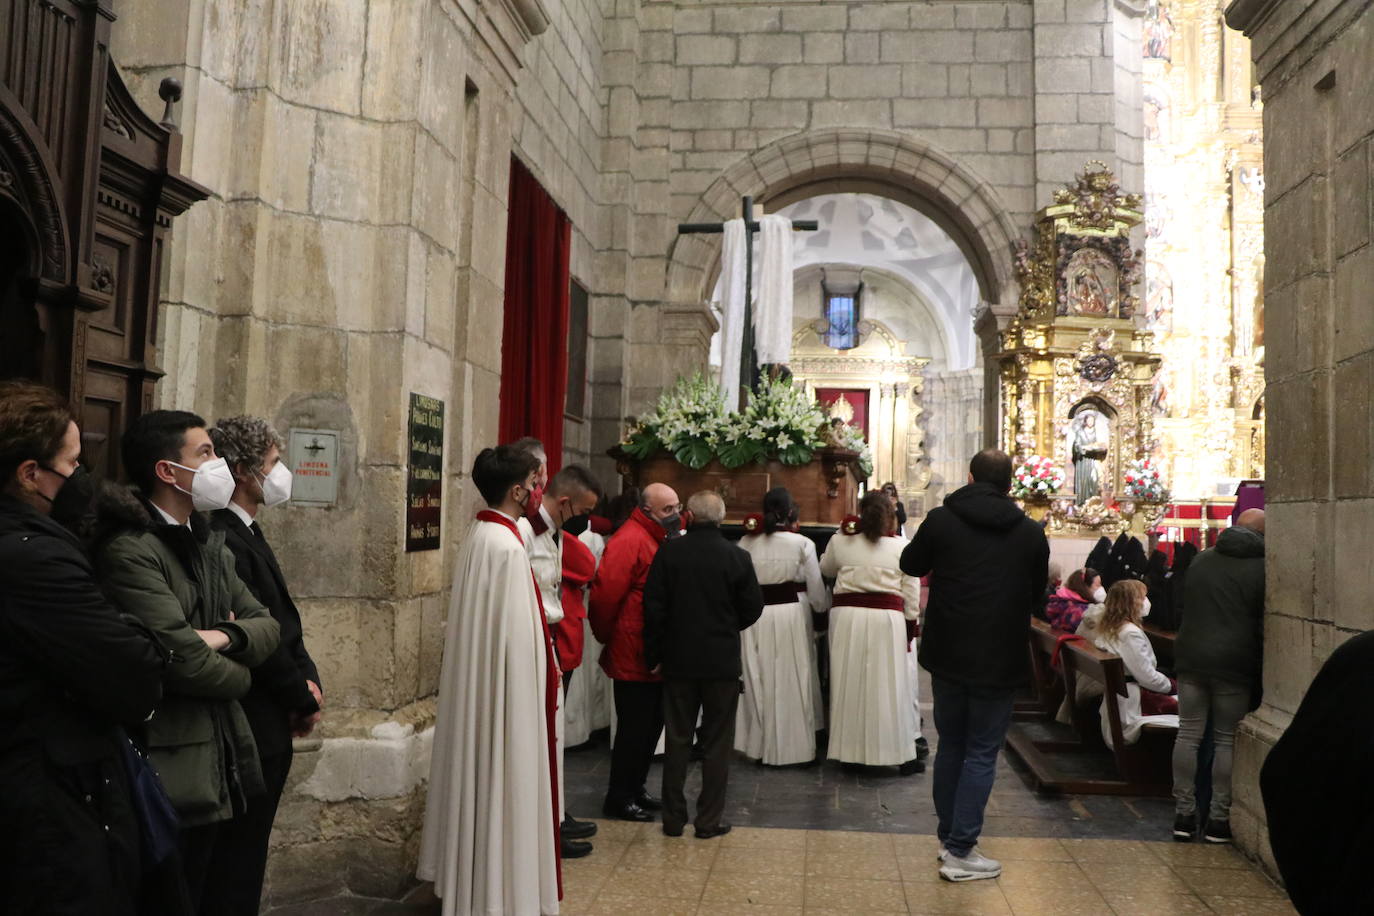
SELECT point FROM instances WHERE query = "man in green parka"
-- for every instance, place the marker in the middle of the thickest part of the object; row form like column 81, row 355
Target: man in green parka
column 166, row 566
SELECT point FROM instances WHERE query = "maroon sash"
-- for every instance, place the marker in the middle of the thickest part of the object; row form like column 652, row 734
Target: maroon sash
column 782, row 592
column 880, row 600
column 554, row 680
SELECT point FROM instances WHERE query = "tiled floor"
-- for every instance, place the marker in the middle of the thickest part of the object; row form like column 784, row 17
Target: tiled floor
column 777, row 872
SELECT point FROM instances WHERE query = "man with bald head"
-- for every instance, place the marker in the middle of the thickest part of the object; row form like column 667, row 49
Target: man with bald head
column 617, row 617
column 1218, row 654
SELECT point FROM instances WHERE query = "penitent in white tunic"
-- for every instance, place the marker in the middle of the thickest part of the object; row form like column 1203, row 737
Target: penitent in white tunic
column 872, row 718
column 590, row 693
column 779, row 713
column 488, row 840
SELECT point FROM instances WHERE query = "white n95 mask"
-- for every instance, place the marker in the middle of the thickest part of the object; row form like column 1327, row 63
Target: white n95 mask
column 212, row 484
column 276, row 485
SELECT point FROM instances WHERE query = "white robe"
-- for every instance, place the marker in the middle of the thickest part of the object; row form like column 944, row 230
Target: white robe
column 872, row 716
column 488, row 840
column 778, row 714
column 546, row 562
column 589, row 700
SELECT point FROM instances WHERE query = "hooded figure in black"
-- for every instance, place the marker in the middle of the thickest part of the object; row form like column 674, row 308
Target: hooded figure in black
column 1317, row 792
column 1098, row 558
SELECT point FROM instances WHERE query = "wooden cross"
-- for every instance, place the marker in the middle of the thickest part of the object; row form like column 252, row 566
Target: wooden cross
column 748, row 357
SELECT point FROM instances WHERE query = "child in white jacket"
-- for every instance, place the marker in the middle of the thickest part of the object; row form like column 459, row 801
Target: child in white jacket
column 1114, row 626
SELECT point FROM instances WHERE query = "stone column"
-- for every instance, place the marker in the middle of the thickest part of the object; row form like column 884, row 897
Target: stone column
column 1313, row 62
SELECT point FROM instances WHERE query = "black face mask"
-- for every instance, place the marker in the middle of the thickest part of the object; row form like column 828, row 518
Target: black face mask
column 71, row 507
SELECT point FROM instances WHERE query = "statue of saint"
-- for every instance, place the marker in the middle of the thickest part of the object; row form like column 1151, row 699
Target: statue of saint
column 1089, row 451
column 1091, row 281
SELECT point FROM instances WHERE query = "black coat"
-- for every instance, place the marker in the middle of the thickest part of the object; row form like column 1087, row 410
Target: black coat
column 700, row 593
column 279, row 683
column 1222, row 635
column 1317, row 792
column 73, row 673
column 988, row 564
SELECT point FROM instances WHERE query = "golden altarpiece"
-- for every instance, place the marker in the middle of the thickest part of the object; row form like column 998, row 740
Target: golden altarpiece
column 1076, row 368
column 892, row 382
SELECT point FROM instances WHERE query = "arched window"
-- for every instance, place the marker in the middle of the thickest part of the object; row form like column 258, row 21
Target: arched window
column 840, row 303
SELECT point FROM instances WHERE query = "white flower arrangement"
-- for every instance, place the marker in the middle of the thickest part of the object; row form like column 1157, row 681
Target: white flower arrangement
column 691, row 421
column 1036, row 477
column 852, row 438
column 1143, row 482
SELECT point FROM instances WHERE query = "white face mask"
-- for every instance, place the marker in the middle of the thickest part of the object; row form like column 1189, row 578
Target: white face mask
column 1145, row 609
column 1099, row 595
column 212, row 485
column 276, row 486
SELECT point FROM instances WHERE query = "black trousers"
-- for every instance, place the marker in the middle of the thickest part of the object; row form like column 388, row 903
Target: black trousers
column 197, row 848
column 639, row 720
column 238, row 863
column 716, row 701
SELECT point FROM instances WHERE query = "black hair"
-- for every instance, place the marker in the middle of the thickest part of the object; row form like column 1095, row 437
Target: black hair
column 778, row 510
column 876, row 515
column 498, row 469
column 156, row 436
column 620, row 507
column 574, row 478
column 991, row 466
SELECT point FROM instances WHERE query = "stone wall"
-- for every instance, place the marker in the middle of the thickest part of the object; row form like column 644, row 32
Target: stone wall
column 1314, row 62
column 353, row 252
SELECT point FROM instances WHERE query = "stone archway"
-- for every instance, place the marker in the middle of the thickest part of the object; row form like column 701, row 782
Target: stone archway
column 878, row 161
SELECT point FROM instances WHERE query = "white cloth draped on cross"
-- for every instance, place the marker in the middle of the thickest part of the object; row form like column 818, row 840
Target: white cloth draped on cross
column 772, row 311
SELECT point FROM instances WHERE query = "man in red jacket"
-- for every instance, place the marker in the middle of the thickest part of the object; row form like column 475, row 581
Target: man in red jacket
column 617, row 615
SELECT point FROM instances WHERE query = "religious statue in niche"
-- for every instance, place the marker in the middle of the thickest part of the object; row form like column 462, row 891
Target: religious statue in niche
column 1159, row 31
column 1159, row 297
column 1093, row 283
column 1089, row 433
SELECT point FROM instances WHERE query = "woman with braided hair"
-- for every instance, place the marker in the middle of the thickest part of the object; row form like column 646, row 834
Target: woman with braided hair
column 872, row 719
column 780, row 712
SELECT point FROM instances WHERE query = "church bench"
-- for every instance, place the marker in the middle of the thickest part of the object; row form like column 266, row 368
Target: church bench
column 1047, row 687
column 1144, row 768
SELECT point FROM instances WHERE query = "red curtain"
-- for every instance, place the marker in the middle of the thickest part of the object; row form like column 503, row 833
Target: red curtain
column 534, row 340
column 857, row 398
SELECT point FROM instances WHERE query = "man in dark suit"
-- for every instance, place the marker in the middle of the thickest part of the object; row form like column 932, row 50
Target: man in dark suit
column 285, row 699
column 700, row 593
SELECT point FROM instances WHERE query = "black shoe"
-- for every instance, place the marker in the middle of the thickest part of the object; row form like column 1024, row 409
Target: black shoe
column 912, row 766
column 648, row 802
column 671, row 831
column 574, row 849
column 630, row 812
column 574, row 829
column 1185, row 828
column 718, row 830
column 922, row 748
column 1217, row 831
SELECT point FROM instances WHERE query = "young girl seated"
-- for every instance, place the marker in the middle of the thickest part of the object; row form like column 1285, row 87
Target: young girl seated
column 1065, row 608
column 1115, row 627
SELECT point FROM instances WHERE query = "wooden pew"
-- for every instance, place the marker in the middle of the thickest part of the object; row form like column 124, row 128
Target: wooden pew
column 1143, row 768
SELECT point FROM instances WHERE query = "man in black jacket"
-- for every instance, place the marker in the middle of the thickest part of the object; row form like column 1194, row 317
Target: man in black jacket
column 988, row 564
column 285, row 698
column 72, row 672
column 700, row 593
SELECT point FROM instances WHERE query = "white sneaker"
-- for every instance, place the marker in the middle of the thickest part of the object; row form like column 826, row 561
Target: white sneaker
column 973, row 867
column 943, row 853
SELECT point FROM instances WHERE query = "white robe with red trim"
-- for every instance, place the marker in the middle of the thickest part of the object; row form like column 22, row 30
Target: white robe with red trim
column 489, row 844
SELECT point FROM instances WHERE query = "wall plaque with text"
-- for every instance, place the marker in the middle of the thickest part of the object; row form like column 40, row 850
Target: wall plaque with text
column 313, row 457
column 425, row 481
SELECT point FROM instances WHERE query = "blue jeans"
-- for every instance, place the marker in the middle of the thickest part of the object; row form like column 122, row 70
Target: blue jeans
column 972, row 723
